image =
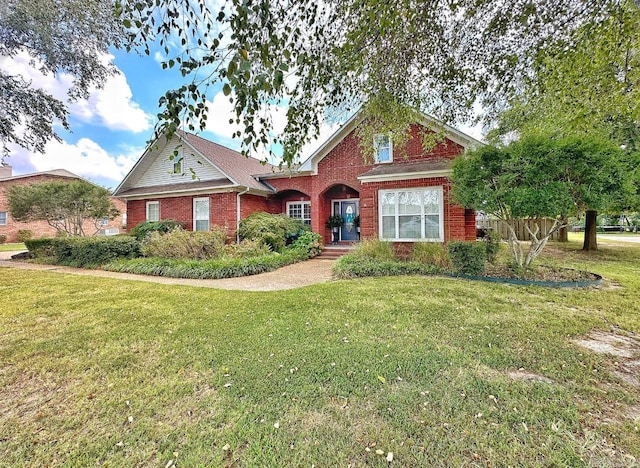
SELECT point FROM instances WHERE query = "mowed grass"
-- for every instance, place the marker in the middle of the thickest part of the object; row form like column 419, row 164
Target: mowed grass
column 17, row 246
column 110, row 372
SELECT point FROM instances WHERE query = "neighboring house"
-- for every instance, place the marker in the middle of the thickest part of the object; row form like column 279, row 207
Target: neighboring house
column 10, row 228
column 398, row 198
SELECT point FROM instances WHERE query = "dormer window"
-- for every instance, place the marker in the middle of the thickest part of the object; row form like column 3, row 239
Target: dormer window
column 383, row 149
column 177, row 164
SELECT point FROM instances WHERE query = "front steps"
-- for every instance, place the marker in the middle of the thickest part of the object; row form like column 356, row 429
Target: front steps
column 333, row 251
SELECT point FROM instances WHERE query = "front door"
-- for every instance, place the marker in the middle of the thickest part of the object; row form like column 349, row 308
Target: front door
column 348, row 211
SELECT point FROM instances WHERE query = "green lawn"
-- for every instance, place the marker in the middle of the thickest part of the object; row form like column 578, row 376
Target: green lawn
column 12, row 247
column 123, row 373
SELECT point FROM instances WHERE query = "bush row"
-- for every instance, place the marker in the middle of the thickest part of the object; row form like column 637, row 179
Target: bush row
column 377, row 258
column 209, row 269
column 176, row 253
column 276, row 231
column 178, row 244
column 350, row 266
column 84, row 252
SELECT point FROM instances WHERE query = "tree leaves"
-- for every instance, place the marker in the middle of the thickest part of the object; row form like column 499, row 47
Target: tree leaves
column 71, row 37
column 65, row 206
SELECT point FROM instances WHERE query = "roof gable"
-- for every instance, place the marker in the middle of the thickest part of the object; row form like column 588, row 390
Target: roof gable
column 238, row 168
column 311, row 163
column 62, row 173
column 212, row 164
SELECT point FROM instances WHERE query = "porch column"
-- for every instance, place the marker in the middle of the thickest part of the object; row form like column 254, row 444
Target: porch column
column 317, row 219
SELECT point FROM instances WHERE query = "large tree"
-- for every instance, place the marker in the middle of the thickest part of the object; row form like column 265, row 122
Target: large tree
column 439, row 57
column 540, row 178
column 586, row 85
column 69, row 207
column 60, row 36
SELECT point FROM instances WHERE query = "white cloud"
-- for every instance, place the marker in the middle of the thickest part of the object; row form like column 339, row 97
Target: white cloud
column 85, row 158
column 220, row 111
column 110, row 106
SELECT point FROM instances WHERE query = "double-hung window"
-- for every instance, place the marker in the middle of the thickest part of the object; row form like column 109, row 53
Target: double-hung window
column 300, row 210
column 153, row 211
column 201, row 214
column 411, row 214
column 383, row 148
column 3, row 218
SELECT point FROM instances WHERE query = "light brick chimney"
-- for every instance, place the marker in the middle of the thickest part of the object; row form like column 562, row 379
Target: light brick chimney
column 5, row 171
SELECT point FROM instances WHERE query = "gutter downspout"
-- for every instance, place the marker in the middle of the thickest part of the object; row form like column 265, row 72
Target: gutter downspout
column 238, row 213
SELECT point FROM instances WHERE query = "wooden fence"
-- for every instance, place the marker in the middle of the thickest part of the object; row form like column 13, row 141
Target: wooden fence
column 519, row 225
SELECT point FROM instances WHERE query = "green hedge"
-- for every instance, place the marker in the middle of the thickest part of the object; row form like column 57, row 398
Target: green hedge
column 353, row 266
column 467, row 258
column 276, row 231
column 208, row 269
column 181, row 244
column 94, row 251
column 141, row 230
column 40, row 248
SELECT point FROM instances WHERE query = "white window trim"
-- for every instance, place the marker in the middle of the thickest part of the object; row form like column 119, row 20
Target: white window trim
column 151, row 203
column 6, row 218
column 440, row 191
column 208, row 200
column 302, row 203
column 375, row 147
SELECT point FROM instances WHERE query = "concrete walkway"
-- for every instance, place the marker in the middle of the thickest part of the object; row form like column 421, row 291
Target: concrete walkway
column 301, row 274
column 635, row 238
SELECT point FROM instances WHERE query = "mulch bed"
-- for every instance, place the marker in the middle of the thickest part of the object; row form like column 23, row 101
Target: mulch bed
column 541, row 273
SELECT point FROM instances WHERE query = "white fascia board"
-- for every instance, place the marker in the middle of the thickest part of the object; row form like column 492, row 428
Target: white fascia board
column 455, row 135
column 178, row 193
column 405, row 176
column 311, row 163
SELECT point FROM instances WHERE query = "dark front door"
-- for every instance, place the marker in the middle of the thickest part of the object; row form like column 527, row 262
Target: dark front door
column 348, row 211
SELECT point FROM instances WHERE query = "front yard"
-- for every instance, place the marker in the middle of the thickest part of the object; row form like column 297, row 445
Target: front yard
column 421, row 371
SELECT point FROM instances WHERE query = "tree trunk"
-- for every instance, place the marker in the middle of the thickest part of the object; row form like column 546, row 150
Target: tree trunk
column 590, row 242
column 563, row 232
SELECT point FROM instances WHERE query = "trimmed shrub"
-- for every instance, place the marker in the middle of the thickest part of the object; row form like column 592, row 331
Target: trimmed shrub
column 3, row 238
column 309, row 241
column 272, row 230
column 94, row 251
column 179, row 243
column 41, row 248
column 24, row 235
column 431, row 253
column 247, row 248
column 353, row 266
column 374, row 249
column 208, row 269
column 492, row 244
column 467, row 258
column 142, row 230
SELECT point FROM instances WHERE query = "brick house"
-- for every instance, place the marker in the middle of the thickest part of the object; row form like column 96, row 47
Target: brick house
column 402, row 196
column 10, row 227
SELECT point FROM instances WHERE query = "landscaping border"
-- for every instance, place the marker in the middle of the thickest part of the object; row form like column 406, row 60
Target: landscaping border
column 522, row 282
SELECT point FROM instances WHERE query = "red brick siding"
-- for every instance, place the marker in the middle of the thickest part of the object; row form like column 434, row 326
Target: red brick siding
column 278, row 203
column 222, row 210
column 41, row 228
column 338, row 179
column 251, row 203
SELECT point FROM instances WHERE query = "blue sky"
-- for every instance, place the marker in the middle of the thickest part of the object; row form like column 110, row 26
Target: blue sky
column 109, row 131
